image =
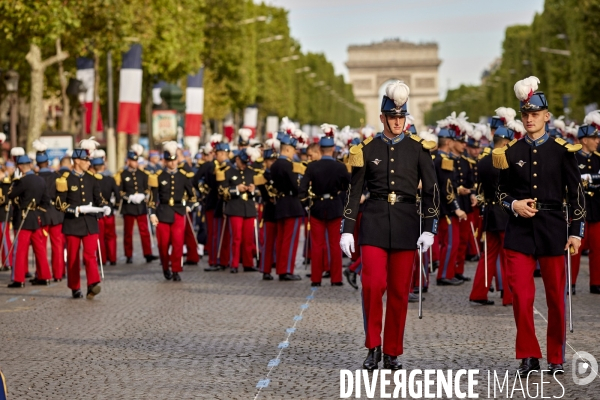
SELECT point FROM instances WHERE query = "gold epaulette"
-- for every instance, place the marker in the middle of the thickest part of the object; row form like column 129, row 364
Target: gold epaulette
column 61, row 184
column 153, row 180
column 486, row 152
column 98, row 176
column 259, row 179
column 260, row 160
column 348, row 167
column 471, row 161
column 356, row 154
column 499, row 156
column 597, row 153
column 427, row 144
column 220, row 174
column 571, row 148
column 159, row 172
column 6, row 179
column 447, row 163
column 187, row 174
column 118, row 178
column 433, row 156
column 298, row 168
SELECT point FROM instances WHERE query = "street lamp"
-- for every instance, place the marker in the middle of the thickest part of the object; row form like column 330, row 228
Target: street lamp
column 271, row 39
column 11, row 80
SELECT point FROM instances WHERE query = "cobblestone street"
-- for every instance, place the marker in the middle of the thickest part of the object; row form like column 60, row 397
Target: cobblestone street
column 213, row 335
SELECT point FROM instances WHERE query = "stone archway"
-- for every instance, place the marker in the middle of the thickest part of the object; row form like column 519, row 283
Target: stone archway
column 371, row 66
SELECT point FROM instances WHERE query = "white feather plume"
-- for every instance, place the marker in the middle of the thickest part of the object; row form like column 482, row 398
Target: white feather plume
column 90, row 144
column 17, row 152
column 253, row 153
column 170, row 147
column 526, row 87
column 410, row 121
column 428, row 135
column 69, row 153
column 517, row 126
column 329, row 129
column 39, row 146
column 99, row 153
column 559, row 123
column 477, row 132
column 368, row 131
column 398, row 91
column 215, row 138
column 572, row 129
column 592, row 118
column 137, row 149
column 245, row 134
column 207, row 148
column 273, row 144
column 2, row 137
column 506, row 113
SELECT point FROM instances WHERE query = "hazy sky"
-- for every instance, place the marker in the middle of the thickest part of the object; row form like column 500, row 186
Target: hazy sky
column 469, row 32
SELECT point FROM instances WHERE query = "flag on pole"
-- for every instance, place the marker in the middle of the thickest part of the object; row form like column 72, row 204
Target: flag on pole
column 251, row 119
column 194, row 104
column 130, row 91
column 85, row 74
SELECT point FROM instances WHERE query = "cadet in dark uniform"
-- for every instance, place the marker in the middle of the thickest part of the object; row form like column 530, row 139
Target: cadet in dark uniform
column 5, row 219
column 322, row 185
column 494, row 224
column 106, row 224
column 133, row 188
column 171, row 197
column 220, row 232
column 238, row 189
column 29, row 192
column 537, row 174
column 78, row 196
column 288, row 208
column 588, row 160
column 391, row 166
column 52, row 218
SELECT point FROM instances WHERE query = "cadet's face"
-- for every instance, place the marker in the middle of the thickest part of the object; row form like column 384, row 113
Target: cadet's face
column 459, row 146
column 590, row 144
column 535, row 122
column 474, row 151
column 171, row 164
column 222, row 156
column 83, row 164
column 132, row 163
column 392, row 124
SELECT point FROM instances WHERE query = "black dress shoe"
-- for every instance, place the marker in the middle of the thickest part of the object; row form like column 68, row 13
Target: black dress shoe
column 190, row 263
column 595, row 289
column 93, row 290
column 113, row 263
column 337, row 283
column 40, row 282
column 250, row 269
column 234, row 270
column 391, row 362
column 449, row 282
column 414, row 298
column 77, row 294
column 267, row 277
column 168, row 275
column 16, row 285
column 289, row 277
column 326, row 274
column 483, row 302
column 537, row 273
column 373, row 358
column 315, row 284
column 462, row 277
column 416, row 290
column 5, row 268
column 527, row 365
column 57, row 279
column 473, row 258
column 351, row 278
column 491, row 289
column 129, row 260
column 28, row 275
column 211, row 268
column 150, row 257
column 176, row 277
column 555, row 369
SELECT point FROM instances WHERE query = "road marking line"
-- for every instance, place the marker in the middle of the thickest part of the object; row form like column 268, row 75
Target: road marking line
column 12, row 299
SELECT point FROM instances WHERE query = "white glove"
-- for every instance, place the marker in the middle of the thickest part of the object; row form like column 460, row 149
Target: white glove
column 137, row 198
column 107, row 211
column 86, row 209
column 425, row 241
column 188, row 209
column 347, row 244
column 154, row 219
column 586, row 177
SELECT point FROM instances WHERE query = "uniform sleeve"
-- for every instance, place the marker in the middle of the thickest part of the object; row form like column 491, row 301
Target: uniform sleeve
column 293, row 179
column 447, row 190
column 15, row 190
column 303, row 191
column 575, row 197
column 430, row 193
column 96, row 194
column 355, row 190
column 505, row 199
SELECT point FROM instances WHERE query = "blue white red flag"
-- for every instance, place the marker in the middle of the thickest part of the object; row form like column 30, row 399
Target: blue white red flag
column 130, row 91
column 194, row 104
column 85, row 73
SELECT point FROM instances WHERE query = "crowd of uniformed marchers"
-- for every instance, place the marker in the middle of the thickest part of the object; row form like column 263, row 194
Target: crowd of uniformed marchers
column 511, row 194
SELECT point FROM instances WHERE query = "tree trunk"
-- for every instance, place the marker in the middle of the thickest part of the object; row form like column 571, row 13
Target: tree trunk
column 95, row 101
column 65, row 119
column 36, row 105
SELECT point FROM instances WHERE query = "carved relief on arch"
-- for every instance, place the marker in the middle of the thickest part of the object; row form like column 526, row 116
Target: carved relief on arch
column 382, row 79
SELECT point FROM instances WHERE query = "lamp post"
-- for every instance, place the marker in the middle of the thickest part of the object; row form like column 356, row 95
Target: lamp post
column 11, row 80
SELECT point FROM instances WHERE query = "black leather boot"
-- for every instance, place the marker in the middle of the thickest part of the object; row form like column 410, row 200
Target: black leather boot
column 527, row 365
column 391, row 362
column 373, row 358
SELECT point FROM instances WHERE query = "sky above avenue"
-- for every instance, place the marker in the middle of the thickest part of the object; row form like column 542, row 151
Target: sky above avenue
column 469, row 32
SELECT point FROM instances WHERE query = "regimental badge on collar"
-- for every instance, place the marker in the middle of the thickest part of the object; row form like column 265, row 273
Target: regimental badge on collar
column 581, row 166
column 127, row 179
column 376, row 161
column 521, row 163
column 164, row 182
column 74, row 188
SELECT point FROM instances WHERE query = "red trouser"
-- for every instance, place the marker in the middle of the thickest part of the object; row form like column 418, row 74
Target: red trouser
column 142, row 221
column 171, row 234
column 268, row 255
column 475, row 218
column 356, row 266
column 386, row 270
column 90, row 246
column 190, row 241
column 210, row 237
column 219, row 229
column 356, row 253
column 37, row 239
column 435, row 249
column 519, row 268
column 288, row 234
column 57, row 243
column 466, row 237
column 241, row 232
column 6, row 243
column 495, row 255
column 325, row 236
column 591, row 241
column 108, row 238
column 449, row 236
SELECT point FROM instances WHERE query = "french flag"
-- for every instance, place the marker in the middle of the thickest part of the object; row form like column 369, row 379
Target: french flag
column 85, row 73
column 251, row 119
column 194, row 104
column 130, row 91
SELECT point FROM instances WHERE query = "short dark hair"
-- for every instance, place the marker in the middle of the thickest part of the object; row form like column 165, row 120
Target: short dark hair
column 314, row 147
column 443, row 141
column 498, row 139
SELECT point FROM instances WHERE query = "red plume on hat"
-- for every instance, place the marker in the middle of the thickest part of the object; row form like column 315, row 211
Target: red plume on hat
column 215, row 138
column 329, row 130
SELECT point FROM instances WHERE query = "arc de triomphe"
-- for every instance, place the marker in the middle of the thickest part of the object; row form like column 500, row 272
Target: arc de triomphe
column 371, row 66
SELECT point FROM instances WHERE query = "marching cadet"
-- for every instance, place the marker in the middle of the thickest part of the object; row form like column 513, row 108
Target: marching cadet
column 172, row 197
column 588, row 160
column 268, row 224
column 29, row 191
column 537, row 174
column 207, row 156
column 238, row 188
column 494, row 224
column 449, row 232
column 78, row 196
column 244, row 135
column 288, row 208
column 5, row 213
column 106, row 223
column 52, row 218
column 220, row 231
column 390, row 166
column 322, row 185
column 133, row 188
column 192, row 256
